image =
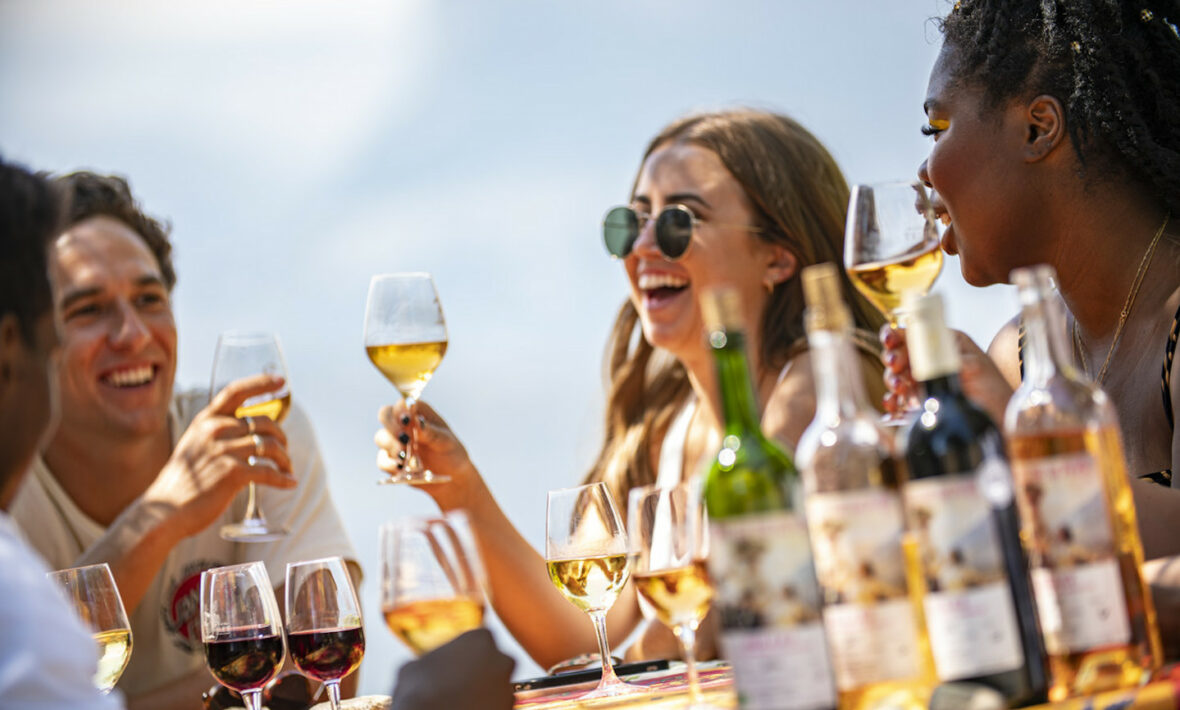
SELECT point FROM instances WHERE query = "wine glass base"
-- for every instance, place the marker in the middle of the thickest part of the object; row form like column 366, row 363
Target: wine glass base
column 252, row 532
column 421, row 478
column 615, row 690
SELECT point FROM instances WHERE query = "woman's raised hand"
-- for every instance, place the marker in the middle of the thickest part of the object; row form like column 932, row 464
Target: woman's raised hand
column 438, row 448
column 982, row 381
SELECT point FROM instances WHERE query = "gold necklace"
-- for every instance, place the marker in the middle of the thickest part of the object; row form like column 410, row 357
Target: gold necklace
column 1118, row 331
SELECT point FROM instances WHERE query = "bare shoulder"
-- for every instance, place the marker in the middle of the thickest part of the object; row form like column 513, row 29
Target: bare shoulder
column 1005, row 351
column 791, row 405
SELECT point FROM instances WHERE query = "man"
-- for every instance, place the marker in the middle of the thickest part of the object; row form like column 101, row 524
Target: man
column 47, row 658
column 143, row 478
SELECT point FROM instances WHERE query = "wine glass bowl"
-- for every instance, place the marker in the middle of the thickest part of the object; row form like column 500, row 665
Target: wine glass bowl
column 243, row 354
column 406, row 339
column 242, row 629
column 669, row 544
column 431, row 581
column 92, row 592
column 586, row 556
column 891, row 243
column 324, row 628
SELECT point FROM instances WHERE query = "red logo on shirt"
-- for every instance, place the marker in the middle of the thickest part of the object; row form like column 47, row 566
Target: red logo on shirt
column 183, row 614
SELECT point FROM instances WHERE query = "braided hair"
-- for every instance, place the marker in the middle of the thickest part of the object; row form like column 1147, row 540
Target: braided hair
column 1114, row 65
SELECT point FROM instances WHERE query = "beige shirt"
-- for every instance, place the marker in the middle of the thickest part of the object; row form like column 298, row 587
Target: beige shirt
column 166, row 627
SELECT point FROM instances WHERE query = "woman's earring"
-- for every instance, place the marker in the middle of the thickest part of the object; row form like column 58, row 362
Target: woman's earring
column 769, row 284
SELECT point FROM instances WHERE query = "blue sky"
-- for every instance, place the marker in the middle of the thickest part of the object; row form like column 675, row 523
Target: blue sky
column 299, row 147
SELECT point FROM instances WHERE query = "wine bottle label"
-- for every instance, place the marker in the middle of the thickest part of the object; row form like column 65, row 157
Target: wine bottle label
column 868, row 614
column 769, row 604
column 970, row 616
column 1075, row 573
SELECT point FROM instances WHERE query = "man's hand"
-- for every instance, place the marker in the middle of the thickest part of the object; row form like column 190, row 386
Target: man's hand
column 469, row 672
column 211, row 462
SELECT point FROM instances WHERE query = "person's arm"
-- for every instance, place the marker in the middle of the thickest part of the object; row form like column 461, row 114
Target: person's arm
column 206, row 470
column 549, row 627
column 468, row 672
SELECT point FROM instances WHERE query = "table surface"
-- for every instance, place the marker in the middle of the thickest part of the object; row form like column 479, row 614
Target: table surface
column 668, row 689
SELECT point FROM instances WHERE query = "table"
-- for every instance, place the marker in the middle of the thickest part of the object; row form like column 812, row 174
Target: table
column 671, row 691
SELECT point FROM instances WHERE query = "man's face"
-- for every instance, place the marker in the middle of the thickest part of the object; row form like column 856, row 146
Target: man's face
column 118, row 354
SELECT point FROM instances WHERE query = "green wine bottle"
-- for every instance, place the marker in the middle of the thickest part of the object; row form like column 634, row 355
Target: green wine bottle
column 759, row 552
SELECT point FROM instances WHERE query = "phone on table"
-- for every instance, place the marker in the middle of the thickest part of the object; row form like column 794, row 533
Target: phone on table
column 589, row 675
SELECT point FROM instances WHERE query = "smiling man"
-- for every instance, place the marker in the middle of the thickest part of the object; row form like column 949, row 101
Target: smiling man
column 141, row 477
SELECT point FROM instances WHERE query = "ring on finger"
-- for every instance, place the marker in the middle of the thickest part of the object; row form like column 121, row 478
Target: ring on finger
column 257, row 445
column 250, row 425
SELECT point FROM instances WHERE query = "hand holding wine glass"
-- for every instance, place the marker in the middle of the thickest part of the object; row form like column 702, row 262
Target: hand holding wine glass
column 92, row 592
column 324, row 630
column 431, row 581
column 586, row 554
column 669, row 545
column 406, row 338
column 242, row 629
column 241, row 354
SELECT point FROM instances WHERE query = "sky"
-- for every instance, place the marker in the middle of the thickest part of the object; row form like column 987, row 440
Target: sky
column 298, row 147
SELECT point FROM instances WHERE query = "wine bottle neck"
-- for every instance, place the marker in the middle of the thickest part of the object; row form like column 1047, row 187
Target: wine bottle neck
column 944, row 387
column 839, row 390
column 739, row 405
column 1045, row 352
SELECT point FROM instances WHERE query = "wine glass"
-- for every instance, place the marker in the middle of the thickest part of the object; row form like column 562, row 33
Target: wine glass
column 242, row 629
column 586, row 554
column 431, row 580
column 669, row 545
column 324, row 629
column 92, row 592
column 891, row 243
column 243, row 354
column 892, row 250
column 406, row 338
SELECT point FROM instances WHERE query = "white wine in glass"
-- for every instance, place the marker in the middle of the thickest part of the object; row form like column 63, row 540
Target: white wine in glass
column 586, row 555
column 406, row 338
column 243, row 354
column 891, row 243
column 431, row 580
column 92, row 592
column 669, row 545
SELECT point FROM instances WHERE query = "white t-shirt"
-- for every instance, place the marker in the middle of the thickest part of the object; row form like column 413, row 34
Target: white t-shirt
column 166, row 626
column 47, row 658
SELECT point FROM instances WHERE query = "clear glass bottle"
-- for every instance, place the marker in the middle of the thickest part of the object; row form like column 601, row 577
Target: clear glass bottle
column 961, row 506
column 759, row 552
column 852, row 477
column 1078, row 516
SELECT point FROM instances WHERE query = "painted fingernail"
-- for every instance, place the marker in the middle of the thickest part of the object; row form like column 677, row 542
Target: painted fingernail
column 400, row 466
column 404, row 438
column 405, row 420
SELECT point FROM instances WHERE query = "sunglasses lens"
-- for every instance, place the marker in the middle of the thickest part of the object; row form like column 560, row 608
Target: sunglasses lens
column 619, row 230
column 674, row 231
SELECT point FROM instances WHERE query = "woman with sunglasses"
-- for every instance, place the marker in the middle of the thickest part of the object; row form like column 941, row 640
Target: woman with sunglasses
column 740, row 198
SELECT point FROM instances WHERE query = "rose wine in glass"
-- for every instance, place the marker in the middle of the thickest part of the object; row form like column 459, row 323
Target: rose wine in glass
column 431, row 581
column 324, row 629
column 406, row 338
column 92, row 592
column 242, row 629
column 243, row 354
column 586, row 555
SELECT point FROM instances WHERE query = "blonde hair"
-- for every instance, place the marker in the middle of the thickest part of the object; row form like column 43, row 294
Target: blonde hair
column 799, row 198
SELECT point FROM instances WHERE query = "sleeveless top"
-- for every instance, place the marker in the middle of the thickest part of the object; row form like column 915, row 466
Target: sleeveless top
column 1164, row 477
column 670, row 466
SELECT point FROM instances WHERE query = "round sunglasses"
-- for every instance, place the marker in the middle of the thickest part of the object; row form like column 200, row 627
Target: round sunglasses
column 674, row 226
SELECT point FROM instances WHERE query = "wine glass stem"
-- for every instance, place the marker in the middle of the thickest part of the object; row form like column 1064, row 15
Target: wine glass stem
column 413, row 465
column 333, row 687
column 253, row 512
column 687, row 634
column 608, row 670
column 252, row 699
